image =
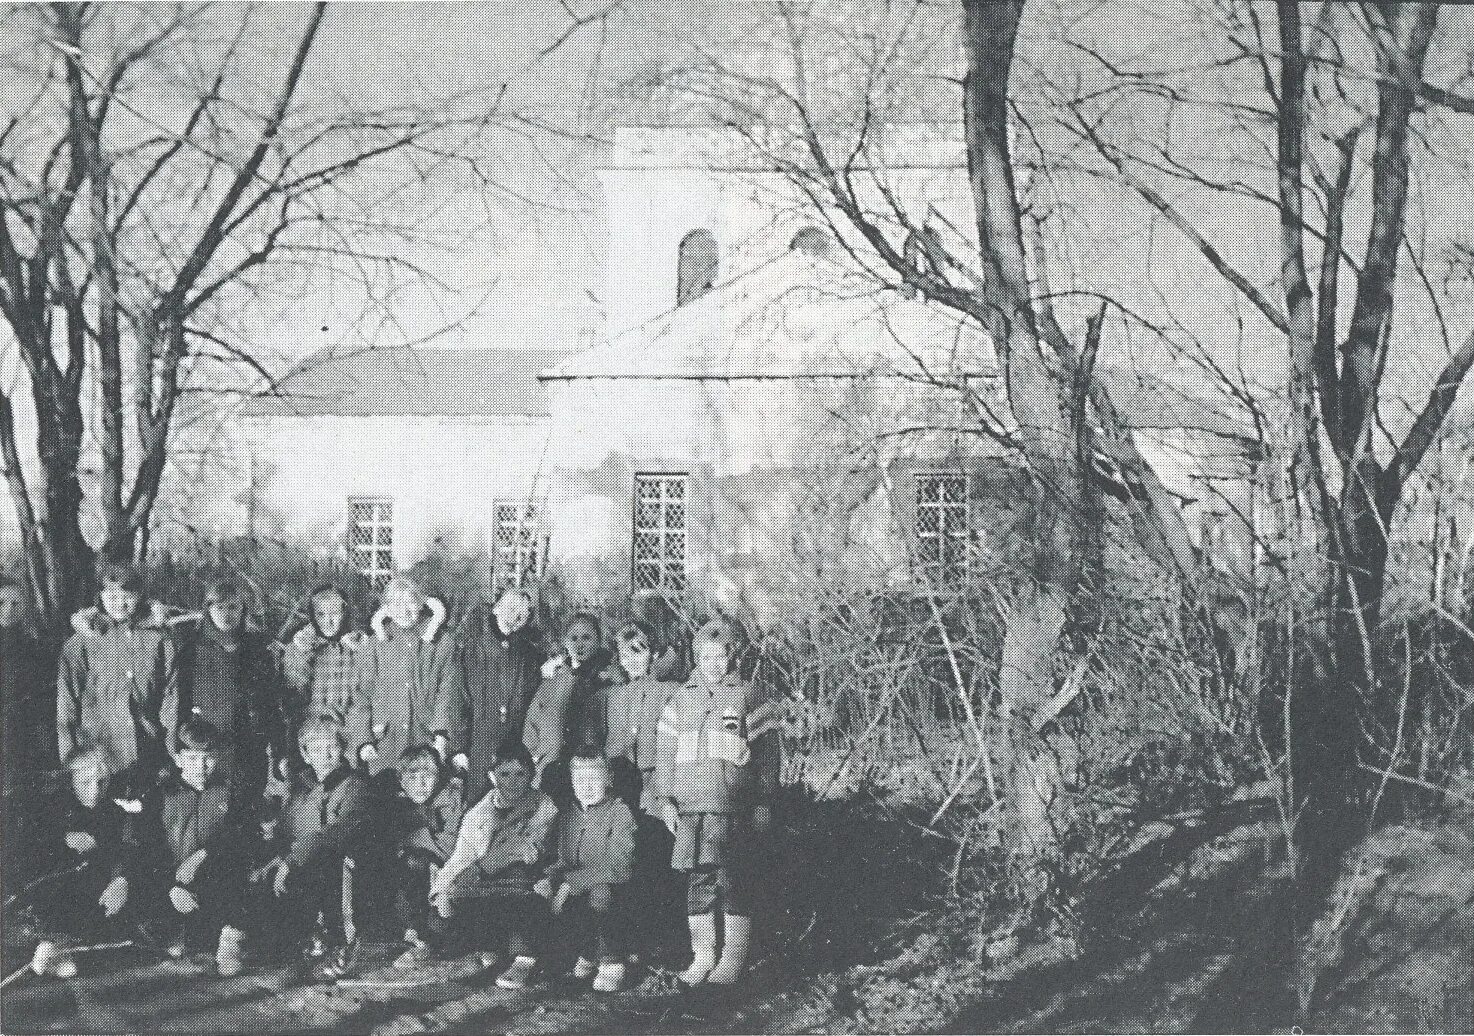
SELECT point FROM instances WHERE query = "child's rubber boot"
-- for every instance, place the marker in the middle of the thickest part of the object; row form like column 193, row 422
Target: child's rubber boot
column 585, row 969
column 737, row 937
column 518, row 975
column 703, row 948
column 610, row 978
column 228, row 952
column 417, row 953
column 44, row 957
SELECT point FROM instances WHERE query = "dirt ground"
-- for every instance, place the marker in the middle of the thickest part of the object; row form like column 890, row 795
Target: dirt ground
column 1200, row 944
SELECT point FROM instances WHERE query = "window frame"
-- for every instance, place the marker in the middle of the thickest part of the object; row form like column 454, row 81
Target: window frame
column 379, row 569
column 527, row 531
column 962, row 533
column 671, row 573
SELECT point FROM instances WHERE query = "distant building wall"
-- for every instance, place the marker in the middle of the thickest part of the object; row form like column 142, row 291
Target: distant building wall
column 442, row 475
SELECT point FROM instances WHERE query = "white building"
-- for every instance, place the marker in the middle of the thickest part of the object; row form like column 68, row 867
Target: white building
column 759, row 414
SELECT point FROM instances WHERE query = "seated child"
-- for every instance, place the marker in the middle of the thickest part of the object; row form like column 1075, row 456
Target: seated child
column 322, row 823
column 590, row 877
column 427, row 819
column 719, row 752
column 485, row 888
column 87, row 886
column 202, row 825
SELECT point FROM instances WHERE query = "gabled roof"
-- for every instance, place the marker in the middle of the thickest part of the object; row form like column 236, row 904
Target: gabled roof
column 413, row 382
column 798, row 316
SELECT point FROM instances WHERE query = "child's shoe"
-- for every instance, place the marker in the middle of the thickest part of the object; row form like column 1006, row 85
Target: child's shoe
column 610, row 978
column 66, row 967
column 584, row 969
column 417, row 955
column 735, row 941
column 488, row 959
column 228, row 952
column 518, row 975
column 177, row 949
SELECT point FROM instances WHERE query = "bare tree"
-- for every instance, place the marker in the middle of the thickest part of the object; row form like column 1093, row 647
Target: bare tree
column 1343, row 115
column 162, row 170
column 834, row 144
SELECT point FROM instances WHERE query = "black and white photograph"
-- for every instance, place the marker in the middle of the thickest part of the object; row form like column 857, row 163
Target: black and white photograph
column 737, row 516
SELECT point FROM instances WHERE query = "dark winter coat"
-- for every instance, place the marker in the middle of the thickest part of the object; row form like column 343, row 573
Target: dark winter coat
column 115, row 689
column 408, row 682
column 321, row 821
column 27, row 709
column 116, row 833
column 180, row 820
column 634, row 712
column 569, row 710
column 429, row 829
column 230, row 680
column 498, row 677
column 596, row 846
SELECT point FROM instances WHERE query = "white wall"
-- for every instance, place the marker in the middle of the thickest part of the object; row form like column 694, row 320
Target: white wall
column 442, row 473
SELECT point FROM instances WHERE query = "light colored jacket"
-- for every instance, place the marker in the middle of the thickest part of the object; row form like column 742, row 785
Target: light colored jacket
column 718, row 747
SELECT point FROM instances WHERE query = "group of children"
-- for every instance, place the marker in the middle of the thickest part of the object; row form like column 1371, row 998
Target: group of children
column 456, row 780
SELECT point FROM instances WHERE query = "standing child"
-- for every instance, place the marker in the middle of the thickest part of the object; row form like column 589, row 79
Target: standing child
column 320, row 667
column 406, row 678
column 486, row 887
column 116, row 675
column 635, row 709
column 88, row 888
column 200, row 827
column 591, row 875
column 568, row 712
column 427, row 819
column 227, row 678
column 323, row 822
column 498, row 657
column 718, row 767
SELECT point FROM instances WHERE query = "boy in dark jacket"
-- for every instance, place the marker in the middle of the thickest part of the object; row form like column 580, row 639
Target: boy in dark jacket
column 591, row 875
column 499, row 657
column 89, row 860
column 426, row 820
column 227, row 678
column 719, row 754
column 116, row 675
column 486, row 887
column 323, row 823
column 320, row 665
column 198, row 831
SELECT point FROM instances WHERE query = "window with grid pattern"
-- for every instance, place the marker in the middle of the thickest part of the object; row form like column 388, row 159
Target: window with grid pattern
column 519, row 554
column 658, row 554
column 371, row 538
column 943, row 524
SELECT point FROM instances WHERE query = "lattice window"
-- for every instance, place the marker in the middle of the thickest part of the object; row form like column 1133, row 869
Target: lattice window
column 943, row 524
column 519, row 541
column 371, row 538
column 658, row 554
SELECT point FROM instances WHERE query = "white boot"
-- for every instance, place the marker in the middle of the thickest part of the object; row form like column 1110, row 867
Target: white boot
column 228, row 952
column 703, row 948
column 737, row 936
